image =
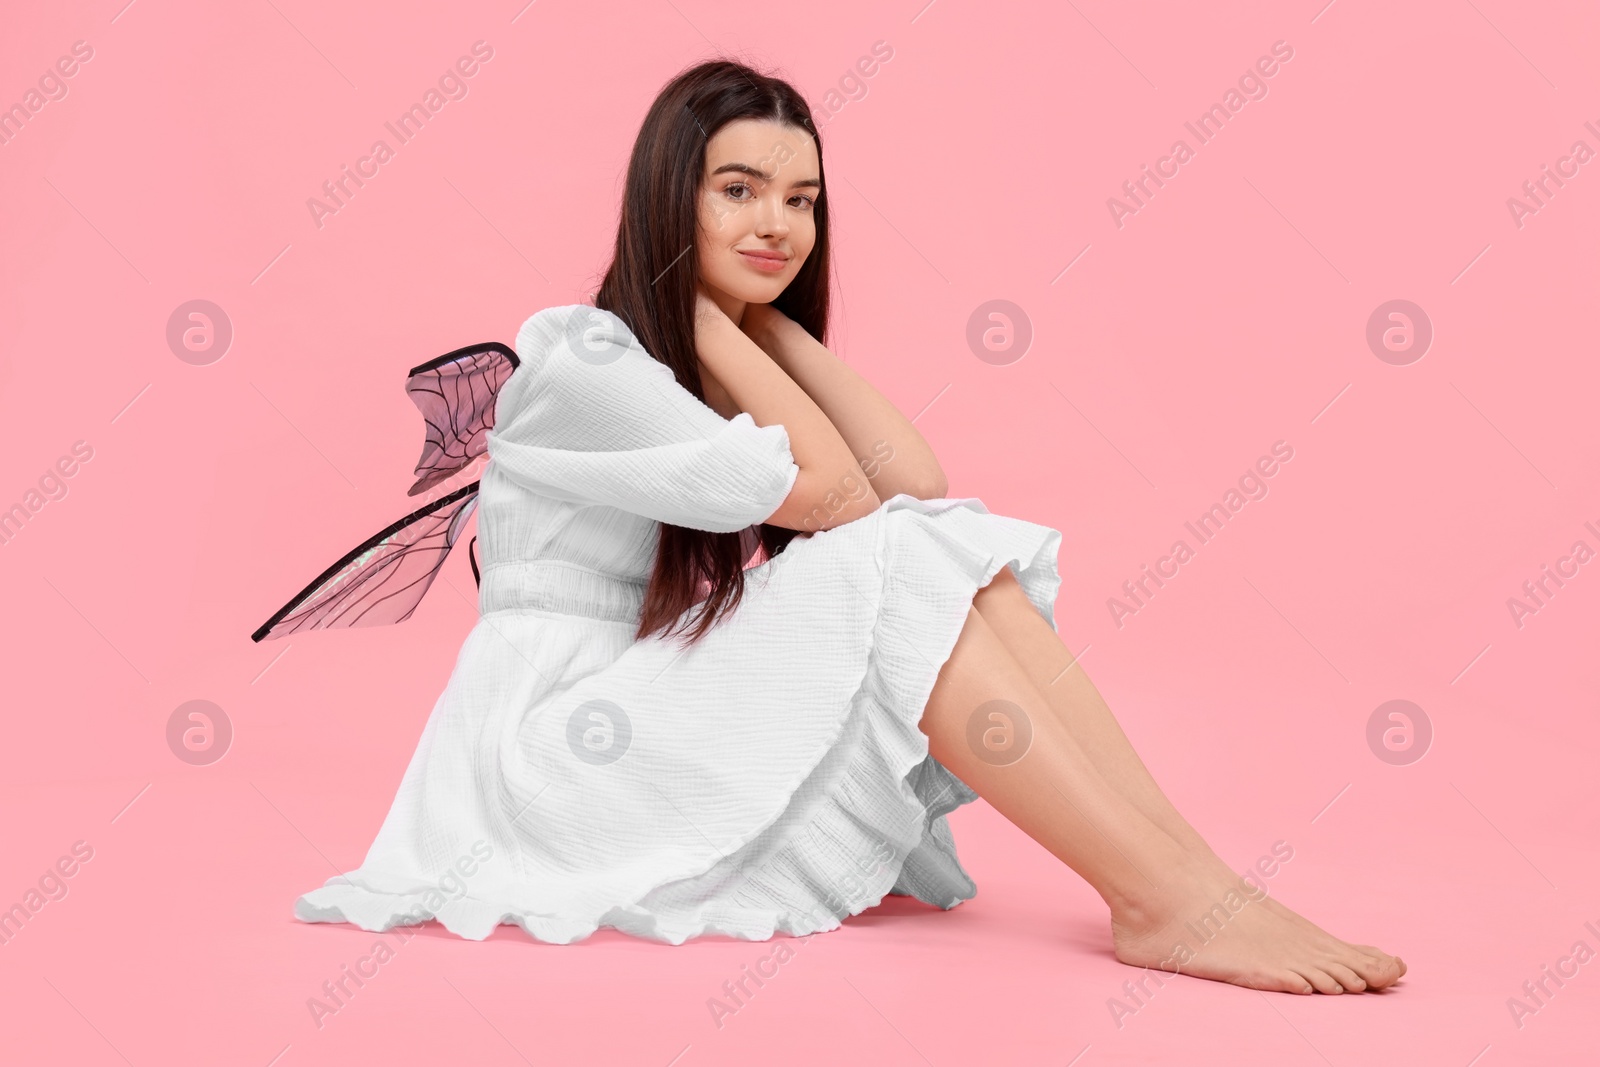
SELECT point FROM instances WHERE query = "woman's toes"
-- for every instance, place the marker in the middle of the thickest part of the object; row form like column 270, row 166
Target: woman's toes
column 1281, row 982
column 1320, row 980
column 1352, row 982
column 1368, row 964
column 1380, row 959
column 1377, row 971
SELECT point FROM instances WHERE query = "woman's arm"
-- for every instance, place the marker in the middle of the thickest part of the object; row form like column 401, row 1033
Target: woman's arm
column 831, row 488
column 893, row 454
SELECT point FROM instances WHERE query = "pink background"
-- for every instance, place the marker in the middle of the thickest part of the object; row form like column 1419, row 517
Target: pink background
column 1228, row 313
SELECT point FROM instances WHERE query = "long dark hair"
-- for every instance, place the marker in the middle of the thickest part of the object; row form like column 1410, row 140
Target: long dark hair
column 651, row 284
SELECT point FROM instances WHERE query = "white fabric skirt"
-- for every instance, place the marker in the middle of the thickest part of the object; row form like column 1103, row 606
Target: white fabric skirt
column 771, row 779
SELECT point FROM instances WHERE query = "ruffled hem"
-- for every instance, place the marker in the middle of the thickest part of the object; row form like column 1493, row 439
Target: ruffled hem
column 878, row 828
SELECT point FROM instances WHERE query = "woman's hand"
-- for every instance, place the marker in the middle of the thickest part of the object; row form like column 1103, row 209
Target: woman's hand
column 753, row 382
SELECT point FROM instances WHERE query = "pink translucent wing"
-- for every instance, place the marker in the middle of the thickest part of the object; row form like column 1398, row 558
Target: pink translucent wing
column 456, row 395
column 383, row 579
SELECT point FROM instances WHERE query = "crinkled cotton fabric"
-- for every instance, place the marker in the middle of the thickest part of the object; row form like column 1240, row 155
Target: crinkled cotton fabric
column 769, row 779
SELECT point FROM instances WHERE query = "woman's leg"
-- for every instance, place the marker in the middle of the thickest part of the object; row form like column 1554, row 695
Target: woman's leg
column 1167, row 908
column 1076, row 702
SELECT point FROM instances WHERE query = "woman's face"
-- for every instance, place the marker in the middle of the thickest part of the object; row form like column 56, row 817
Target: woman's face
column 757, row 195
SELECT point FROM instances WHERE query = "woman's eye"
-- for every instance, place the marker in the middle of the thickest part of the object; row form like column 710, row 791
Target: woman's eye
column 806, row 202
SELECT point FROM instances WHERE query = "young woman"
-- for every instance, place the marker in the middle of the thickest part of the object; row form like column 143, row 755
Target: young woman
column 646, row 732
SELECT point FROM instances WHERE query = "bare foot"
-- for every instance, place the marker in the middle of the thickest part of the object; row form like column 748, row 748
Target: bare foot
column 1293, row 916
column 1217, row 926
column 1205, row 857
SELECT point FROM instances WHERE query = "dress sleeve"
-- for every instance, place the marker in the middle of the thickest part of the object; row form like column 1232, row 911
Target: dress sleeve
column 590, row 417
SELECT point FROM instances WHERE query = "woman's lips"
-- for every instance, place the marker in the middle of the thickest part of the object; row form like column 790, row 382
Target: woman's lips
column 769, row 262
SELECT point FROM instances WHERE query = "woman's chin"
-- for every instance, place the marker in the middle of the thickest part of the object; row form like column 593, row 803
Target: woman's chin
column 753, row 292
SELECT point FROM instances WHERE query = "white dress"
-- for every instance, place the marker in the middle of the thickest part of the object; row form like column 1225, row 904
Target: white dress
column 771, row 779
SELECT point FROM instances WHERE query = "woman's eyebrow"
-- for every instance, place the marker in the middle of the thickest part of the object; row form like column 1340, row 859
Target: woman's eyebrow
column 745, row 168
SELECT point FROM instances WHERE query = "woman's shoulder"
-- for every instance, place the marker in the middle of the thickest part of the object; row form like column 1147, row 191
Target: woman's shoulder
column 574, row 355
column 591, row 333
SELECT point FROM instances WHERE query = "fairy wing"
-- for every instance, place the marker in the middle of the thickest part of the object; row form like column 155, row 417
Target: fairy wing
column 383, row 579
column 456, row 394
